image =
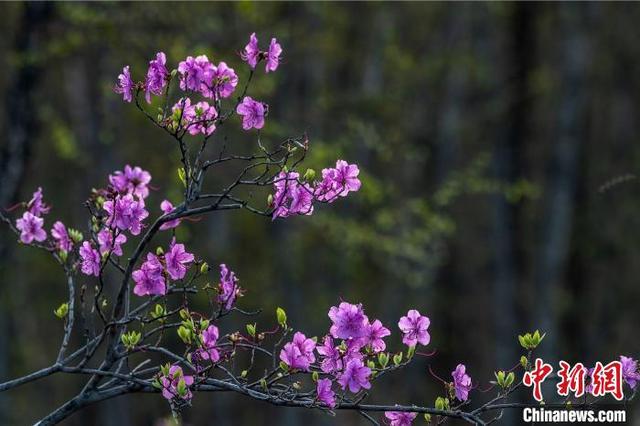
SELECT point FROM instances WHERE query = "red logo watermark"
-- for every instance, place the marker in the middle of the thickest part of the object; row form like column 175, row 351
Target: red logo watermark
column 605, row 379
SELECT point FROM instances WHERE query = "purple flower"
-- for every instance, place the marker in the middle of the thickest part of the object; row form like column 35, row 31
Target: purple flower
column 414, row 326
column 125, row 85
column 156, row 76
column 200, row 118
column 60, row 234
column 90, row 259
column 177, row 260
column 196, row 74
column 167, row 208
column 347, row 177
column 298, row 354
column 338, row 181
column 291, row 197
column 400, row 418
column 209, row 340
column 332, row 360
column 252, row 113
column 355, row 376
column 171, row 383
column 108, row 244
column 126, row 213
column 133, row 180
column 326, row 189
column 630, row 372
column 225, row 80
column 228, row 288
column 461, row 382
column 325, row 394
column 375, row 332
column 251, row 53
column 36, row 206
column 273, row 56
column 30, row 227
column 149, row 278
column 349, row 321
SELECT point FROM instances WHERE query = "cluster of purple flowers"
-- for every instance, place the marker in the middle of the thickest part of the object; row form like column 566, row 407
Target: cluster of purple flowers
column 252, row 54
column 176, row 385
column 152, row 276
column 125, row 211
column 211, row 81
column 347, row 363
column 196, row 118
column 292, row 196
column 200, row 76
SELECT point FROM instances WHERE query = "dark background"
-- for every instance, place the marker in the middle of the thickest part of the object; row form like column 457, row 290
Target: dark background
column 498, row 149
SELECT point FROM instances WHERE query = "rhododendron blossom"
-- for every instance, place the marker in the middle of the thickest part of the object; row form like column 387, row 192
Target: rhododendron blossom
column 30, row 227
column 149, row 278
column 298, row 354
column 178, row 260
column 209, row 340
column 414, row 326
column 355, row 376
column 61, row 236
column 461, row 382
column 228, row 288
column 251, row 53
column 400, row 418
column 273, row 56
column 167, row 208
column 331, row 357
column 630, row 372
column 201, row 118
column 171, row 384
column 36, row 205
column 349, row 321
column 132, row 180
column 291, row 197
column 108, row 243
column 125, row 85
column 126, row 213
column 252, row 113
column 90, row 259
column 325, row 394
column 196, row 73
column 224, row 81
column 156, row 76
column 375, row 333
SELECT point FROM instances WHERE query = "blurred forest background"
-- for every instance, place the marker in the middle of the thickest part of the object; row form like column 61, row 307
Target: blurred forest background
column 498, row 149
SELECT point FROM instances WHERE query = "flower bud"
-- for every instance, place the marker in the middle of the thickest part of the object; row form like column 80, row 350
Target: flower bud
column 270, row 200
column 397, row 359
column 523, row 361
column 185, row 334
column 309, row 175
column 251, row 329
column 159, row 251
column 204, row 268
column 62, row 310
column 383, row 359
column 314, row 376
column 281, row 315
